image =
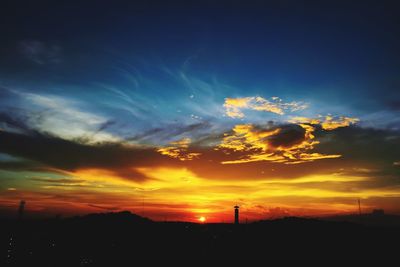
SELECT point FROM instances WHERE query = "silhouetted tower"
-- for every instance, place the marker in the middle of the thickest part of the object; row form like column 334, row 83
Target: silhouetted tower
column 236, row 214
column 21, row 209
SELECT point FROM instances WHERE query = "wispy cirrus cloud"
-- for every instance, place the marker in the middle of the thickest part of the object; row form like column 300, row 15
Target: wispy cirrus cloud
column 59, row 116
column 40, row 52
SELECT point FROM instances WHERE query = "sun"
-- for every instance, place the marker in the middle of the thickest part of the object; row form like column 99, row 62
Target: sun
column 202, row 219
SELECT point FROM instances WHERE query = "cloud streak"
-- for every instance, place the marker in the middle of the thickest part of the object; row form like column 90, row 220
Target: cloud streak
column 40, row 53
column 52, row 114
column 67, row 156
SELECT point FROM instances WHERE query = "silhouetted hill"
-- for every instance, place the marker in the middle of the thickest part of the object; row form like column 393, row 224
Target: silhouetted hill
column 370, row 219
column 298, row 222
column 125, row 217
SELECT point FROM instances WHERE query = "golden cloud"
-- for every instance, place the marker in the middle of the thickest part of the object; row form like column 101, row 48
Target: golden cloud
column 327, row 123
column 178, row 150
column 245, row 138
column 234, row 106
column 289, row 144
column 286, row 144
column 331, row 124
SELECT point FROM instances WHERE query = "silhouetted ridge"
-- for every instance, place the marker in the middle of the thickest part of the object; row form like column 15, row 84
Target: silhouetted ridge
column 299, row 224
column 112, row 217
column 370, row 219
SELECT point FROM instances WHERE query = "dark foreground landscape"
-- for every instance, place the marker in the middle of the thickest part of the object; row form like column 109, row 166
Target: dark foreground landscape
column 125, row 239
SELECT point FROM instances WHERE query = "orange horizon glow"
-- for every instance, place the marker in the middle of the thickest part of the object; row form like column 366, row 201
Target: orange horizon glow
column 312, row 195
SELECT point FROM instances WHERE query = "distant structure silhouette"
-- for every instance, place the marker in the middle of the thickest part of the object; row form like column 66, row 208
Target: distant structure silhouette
column 21, row 209
column 378, row 212
column 236, row 214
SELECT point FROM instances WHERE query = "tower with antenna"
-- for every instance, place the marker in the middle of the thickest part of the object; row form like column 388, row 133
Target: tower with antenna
column 236, row 214
column 21, row 209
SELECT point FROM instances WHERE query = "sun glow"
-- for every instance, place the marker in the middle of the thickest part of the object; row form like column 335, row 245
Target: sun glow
column 202, row 219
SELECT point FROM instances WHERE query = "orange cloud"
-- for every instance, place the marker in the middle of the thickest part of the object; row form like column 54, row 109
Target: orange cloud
column 178, row 150
column 245, row 138
column 234, row 106
column 288, row 144
column 327, row 123
column 331, row 124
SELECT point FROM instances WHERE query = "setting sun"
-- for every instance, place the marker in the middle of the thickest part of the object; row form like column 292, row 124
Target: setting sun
column 202, row 219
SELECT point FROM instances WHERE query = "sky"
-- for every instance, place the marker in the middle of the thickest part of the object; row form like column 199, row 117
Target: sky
column 177, row 110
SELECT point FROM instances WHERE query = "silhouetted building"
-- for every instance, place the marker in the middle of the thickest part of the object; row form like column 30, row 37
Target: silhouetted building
column 378, row 212
column 236, row 214
column 21, row 209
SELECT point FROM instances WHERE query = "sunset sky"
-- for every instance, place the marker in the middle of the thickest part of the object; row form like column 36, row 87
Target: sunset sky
column 182, row 110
